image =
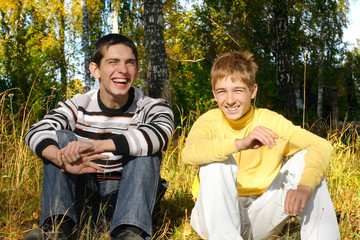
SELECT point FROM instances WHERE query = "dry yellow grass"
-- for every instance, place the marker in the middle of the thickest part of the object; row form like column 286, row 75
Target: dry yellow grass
column 21, row 174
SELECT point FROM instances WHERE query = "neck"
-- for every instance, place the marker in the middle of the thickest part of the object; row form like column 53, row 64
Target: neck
column 242, row 122
column 114, row 102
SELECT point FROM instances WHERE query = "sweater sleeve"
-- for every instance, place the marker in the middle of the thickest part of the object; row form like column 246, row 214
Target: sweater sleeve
column 316, row 159
column 202, row 147
column 43, row 133
column 318, row 151
column 152, row 134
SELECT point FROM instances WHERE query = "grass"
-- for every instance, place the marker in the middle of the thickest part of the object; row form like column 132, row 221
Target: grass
column 21, row 176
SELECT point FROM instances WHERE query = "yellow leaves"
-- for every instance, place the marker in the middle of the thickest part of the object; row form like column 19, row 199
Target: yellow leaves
column 34, row 216
column 187, row 227
column 187, row 230
column 75, row 86
column 5, row 5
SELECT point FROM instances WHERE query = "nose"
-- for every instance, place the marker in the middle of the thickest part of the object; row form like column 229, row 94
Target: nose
column 230, row 98
column 121, row 67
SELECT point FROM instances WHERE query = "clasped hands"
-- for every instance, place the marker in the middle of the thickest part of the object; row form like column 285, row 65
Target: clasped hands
column 295, row 199
column 77, row 157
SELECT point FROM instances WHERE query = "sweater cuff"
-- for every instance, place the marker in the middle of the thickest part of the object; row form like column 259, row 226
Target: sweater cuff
column 44, row 144
column 309, row 180
column 229, row 146
column 121, row 145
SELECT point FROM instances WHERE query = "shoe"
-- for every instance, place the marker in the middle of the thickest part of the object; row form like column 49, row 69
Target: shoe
column 49, row 232
column 128, row 235
column 42, row 234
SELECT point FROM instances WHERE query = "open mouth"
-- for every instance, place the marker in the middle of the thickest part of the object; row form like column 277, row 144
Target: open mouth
column 232, row 108
column 120, row 81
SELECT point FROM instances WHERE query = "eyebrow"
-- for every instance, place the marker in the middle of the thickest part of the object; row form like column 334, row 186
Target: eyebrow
column 240, row 88
column 235, row 88
column 118, row 60
column 218, row 89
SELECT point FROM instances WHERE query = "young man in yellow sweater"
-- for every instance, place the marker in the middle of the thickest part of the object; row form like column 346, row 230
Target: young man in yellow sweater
column 243, row 191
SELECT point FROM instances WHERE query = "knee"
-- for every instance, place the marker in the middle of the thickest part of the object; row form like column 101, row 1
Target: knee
column 142, row 167
column 296, row 163
column 219, row 171
column 147, row 162
column 64, row 137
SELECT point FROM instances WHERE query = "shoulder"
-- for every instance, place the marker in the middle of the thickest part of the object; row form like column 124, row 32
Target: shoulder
column 210, row 117
column 147, row 102
column 264, row 114
column 85, row 97
column 84, row 100
column 212, row 114
column 273, row 120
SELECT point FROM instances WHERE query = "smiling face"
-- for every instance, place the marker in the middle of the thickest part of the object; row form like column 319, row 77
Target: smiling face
column 233, row 98
column 116, row 72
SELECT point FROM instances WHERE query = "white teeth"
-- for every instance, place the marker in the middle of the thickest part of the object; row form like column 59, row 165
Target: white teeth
column 120, row 80
column 232, row 108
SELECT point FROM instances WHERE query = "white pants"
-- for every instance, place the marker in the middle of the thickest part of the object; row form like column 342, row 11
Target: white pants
column 220, row 214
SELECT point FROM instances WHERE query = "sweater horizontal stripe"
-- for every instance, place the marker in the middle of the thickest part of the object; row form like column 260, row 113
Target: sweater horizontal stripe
column 141, row 128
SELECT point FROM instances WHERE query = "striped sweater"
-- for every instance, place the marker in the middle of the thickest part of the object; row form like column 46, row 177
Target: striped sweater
column 140, row 128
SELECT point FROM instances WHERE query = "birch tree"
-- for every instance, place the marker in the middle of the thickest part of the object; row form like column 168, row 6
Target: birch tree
column 157, row 72
column 283, row 59
column 115, row 8
column 85, row 44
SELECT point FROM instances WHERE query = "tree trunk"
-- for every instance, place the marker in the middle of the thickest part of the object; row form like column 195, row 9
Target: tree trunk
column 284, row 69
column 334, row 108
column 85, row 44
column 62, row 57
column 115, row 8
column 157, row 72
column 320, row 77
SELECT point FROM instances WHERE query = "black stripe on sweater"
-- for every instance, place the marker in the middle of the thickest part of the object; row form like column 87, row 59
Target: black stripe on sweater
column 148, row 140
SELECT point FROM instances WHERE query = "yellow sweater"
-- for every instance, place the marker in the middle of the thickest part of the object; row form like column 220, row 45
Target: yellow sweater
column 212, row 139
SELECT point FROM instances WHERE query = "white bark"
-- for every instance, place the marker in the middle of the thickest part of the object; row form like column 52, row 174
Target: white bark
column 157, row 77
column 115, row 8
column 85, row 44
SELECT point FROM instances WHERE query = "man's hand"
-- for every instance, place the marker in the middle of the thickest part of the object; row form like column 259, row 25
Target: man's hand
column 297, row 198
column 258, row 137
column 77, row 157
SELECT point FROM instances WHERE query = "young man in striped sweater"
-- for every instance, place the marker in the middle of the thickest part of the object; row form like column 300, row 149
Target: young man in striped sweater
column 109, row 141
column 243, row 191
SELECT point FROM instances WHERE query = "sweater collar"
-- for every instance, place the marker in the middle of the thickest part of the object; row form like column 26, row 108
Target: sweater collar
column 240, row 123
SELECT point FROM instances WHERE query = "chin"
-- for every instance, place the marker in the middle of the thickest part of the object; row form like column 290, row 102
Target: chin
column 234, row 118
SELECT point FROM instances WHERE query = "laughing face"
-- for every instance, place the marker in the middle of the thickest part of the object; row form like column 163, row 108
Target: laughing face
column 233, row 98
column 117, row 71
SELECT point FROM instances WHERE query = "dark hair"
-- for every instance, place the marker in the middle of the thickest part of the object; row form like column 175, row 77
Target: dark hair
column 109, row 40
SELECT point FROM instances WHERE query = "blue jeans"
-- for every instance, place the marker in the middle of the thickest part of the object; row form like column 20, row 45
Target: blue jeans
column 134, row 196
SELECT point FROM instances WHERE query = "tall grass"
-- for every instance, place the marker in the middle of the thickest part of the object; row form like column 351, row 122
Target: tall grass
column 20, row 171
column 21, row 176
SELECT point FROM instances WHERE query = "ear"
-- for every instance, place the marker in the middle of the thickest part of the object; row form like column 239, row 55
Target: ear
column 254, row 91
column 213, row 91
column 95, row 70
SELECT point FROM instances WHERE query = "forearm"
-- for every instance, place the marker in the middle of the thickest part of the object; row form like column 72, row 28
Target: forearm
column 106, row 145
column 146, row 140
column 50, row 153
column 199, row 152
column 316, row 159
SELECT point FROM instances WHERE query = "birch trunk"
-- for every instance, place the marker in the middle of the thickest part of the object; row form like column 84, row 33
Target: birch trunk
column 320, row 92
column 284, row 69
column 62, row 57
column 157, row 72
column 85, row 44
column 115, row 8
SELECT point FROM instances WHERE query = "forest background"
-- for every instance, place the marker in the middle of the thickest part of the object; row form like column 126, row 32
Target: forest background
column 306, row 72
